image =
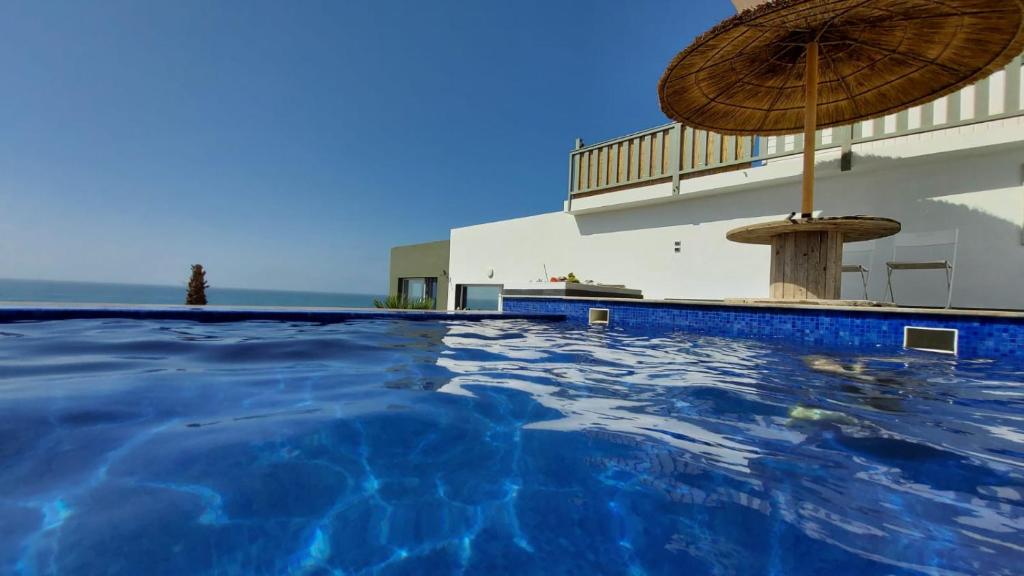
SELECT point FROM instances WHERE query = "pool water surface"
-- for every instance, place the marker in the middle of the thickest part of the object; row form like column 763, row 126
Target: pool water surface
column 496, row 447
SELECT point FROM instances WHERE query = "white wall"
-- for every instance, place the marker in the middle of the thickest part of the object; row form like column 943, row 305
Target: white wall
column 744, row 4
column 969, row 178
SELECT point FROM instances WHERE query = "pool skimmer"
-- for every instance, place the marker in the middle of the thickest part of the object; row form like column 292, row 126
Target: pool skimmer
column 941, row 340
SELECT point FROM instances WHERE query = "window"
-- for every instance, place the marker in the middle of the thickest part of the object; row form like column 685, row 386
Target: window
column 478, row 297
column 418, row 288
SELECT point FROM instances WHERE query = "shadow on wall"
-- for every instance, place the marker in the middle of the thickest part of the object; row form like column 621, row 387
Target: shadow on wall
column 924, row 194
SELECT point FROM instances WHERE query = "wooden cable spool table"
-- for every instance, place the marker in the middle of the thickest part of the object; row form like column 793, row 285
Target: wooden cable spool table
column 807, row 253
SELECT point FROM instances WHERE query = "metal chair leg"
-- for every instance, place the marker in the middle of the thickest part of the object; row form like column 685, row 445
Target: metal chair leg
column 949, row 286
column 864, row 279
column 892, row 297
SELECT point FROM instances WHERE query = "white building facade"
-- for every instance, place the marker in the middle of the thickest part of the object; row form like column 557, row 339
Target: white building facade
column 650, row 211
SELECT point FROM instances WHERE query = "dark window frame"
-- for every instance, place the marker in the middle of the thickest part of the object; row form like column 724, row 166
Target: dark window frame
column 461, row 293
column 430, row 286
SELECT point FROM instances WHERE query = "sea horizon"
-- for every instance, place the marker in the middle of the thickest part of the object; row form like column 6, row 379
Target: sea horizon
column 92, row 292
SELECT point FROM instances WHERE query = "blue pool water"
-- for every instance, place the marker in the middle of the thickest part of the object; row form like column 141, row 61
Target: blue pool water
column 496, row 447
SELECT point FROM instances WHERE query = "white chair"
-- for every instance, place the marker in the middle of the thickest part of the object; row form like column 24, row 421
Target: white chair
column 858, row 257
column 917, row 252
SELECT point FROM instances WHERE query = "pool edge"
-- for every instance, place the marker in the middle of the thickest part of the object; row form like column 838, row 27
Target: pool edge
column 212, row 314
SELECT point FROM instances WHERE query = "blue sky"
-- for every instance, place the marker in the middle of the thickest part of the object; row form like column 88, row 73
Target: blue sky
column 291, row 144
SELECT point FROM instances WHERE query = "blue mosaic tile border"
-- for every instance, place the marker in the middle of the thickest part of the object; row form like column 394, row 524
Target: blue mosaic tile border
column 979, row 336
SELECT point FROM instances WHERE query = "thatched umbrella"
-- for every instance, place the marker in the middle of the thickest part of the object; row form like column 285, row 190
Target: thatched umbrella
column 797, row 65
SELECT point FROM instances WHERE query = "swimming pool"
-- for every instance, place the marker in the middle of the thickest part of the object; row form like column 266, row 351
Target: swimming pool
column 496, row 447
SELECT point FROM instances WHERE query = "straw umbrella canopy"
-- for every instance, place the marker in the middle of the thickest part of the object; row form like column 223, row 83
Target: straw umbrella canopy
column 788, row 66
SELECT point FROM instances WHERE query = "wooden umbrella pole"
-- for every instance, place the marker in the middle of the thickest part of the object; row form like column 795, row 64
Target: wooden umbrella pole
column 810, row 127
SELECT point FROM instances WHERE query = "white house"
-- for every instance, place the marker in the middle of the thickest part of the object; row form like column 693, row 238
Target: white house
column 651, row 210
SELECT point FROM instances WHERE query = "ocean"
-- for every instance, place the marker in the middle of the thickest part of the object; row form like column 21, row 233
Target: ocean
column 100, row 293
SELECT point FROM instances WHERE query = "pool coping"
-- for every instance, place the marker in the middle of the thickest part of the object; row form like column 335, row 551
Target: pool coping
column 36, row 311
column 797, row 305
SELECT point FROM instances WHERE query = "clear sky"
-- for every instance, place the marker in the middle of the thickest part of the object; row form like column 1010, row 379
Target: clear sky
column 290, row 144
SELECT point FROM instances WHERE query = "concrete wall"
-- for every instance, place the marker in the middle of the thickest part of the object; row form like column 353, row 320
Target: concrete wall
column 427, row 260
column 971, row 178
column 744, row 4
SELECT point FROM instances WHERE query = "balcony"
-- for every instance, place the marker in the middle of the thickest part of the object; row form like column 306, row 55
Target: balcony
column 673, row 153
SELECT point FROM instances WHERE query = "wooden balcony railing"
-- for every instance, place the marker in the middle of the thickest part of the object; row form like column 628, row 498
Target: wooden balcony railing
column 674, row 152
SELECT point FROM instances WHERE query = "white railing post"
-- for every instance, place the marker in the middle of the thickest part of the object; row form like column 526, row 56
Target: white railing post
column 928, row 115
column 953, row 108
column 574, row 172
column 981, row 103
column 673, row 155
column 844, row 136
column 1012, row 88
